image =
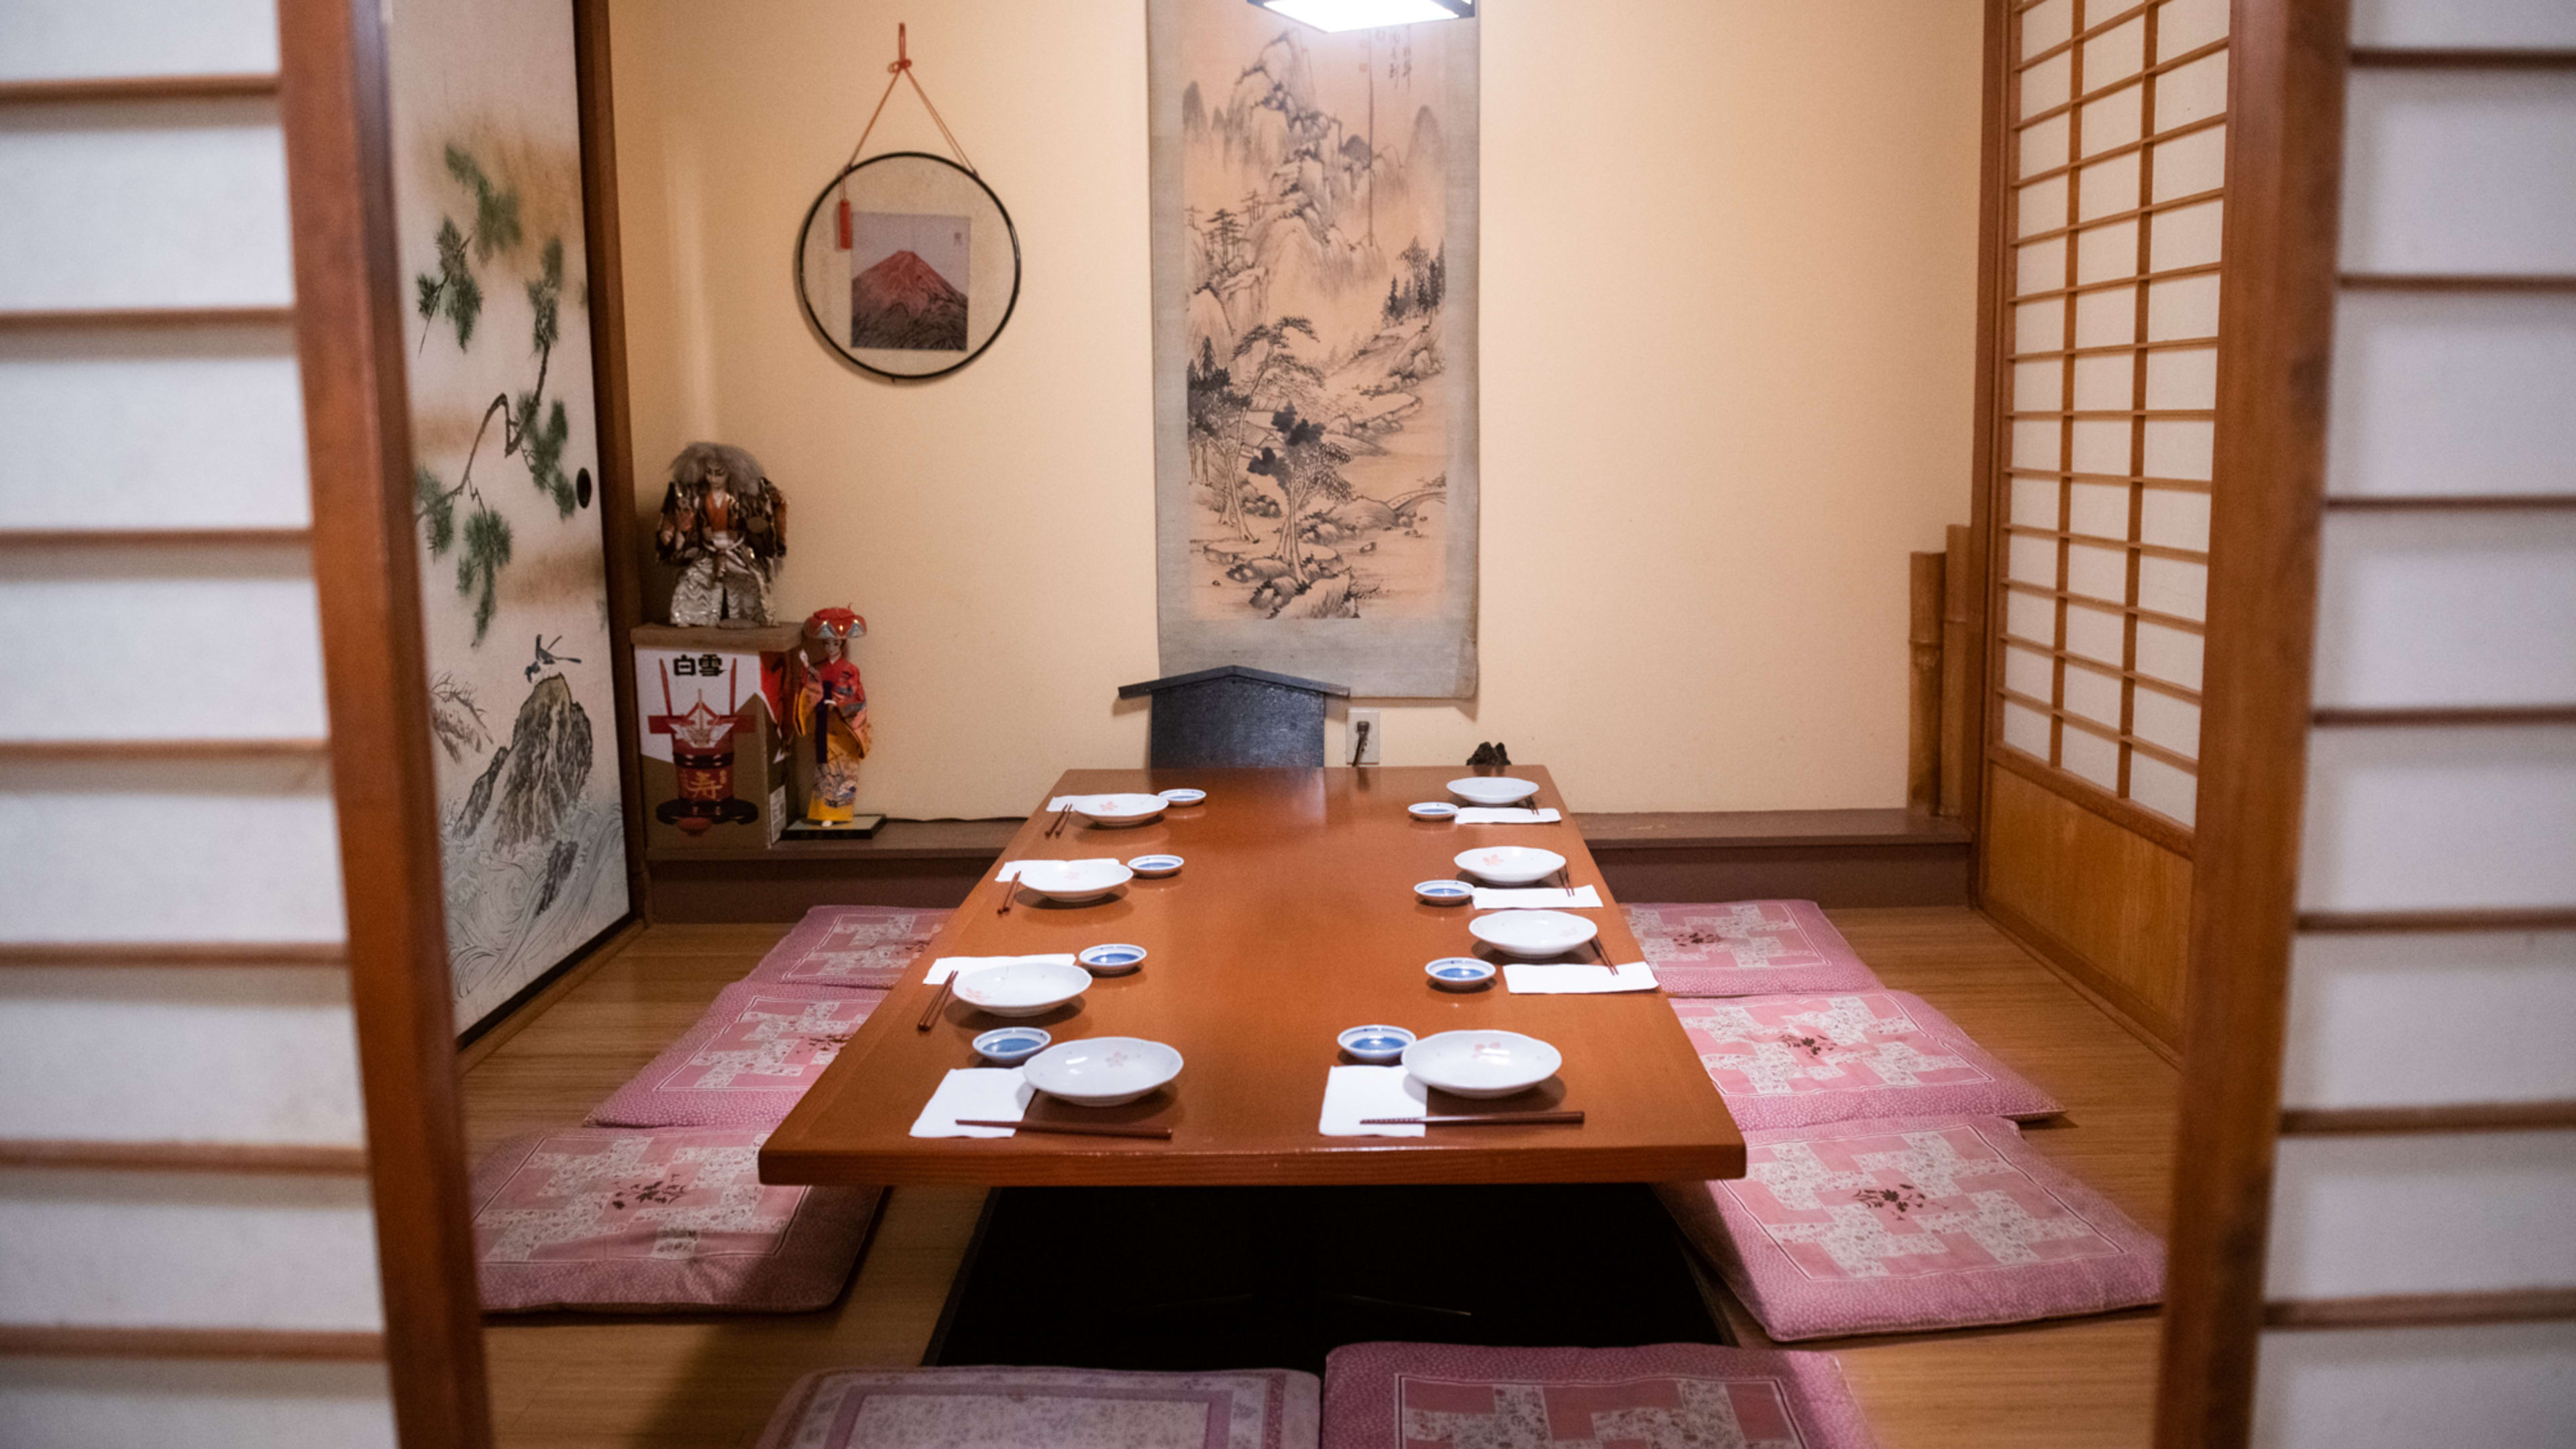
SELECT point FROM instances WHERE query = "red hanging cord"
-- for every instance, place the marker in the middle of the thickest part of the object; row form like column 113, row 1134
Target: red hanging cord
column 901, row 70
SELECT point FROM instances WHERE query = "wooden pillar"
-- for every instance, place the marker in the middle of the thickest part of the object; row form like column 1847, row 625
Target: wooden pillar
column 1923, row 696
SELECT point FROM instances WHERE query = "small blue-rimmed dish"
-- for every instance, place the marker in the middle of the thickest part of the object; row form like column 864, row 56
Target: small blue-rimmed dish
column 1184, row 796
column 1011, row 1044
column 1444, row 892
column 1154, row 867
column 1432, row 810
column 1377, row 1045
column 1459, row 973
column 1112, row 960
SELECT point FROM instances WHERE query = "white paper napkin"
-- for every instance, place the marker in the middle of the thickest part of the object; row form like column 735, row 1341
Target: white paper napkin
column 1578, row 980
column 1061, row 801
column 1541, row 898
column 1011, row 868
column 947, row 966
column 1351, row 1093
column 1000, row 1093
column 1506, row 815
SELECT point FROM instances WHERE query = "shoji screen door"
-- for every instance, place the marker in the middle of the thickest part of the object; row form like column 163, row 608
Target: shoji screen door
column 2372, row 1242
column 2114, row 141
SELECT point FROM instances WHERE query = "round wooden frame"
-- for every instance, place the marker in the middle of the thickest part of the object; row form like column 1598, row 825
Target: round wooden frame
column 805, row 235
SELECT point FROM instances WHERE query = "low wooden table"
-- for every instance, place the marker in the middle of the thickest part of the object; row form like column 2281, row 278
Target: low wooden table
column 1293, row 919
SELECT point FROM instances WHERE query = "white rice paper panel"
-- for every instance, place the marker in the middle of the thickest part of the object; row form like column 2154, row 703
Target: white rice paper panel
column 193, row 851
column 2187, row 236
column 2099, row 445
column 2044, row 86
column 2447, row 609
column 2170, row 654
column 2357, row 1217
column 2183, row 26
column 59, row 39
column 92, row 1403
column 2429, row 1020
column 161, row 643
column 188, row 1250
column 2046, row 25
column 2453, row 394
column 2460, row 172
column 2039, row 266
column 2090, row 757
column 248, row 1054
column 2161, row 719
column 2094, row 696
column 2440, row 24
column 201, row 427
column 2042, row 207
column 2173, row 518
column 2501, row 1386
column 2026, row 730
column 2093, row 633
column 2116, row 52
column 2189, row 93
column 2027, row 671
column 2100, row 509
column 2162, row 788
column 180, row 204
column 2031, row 617
column 2034, row 502
column 2440, row 818
column 2182, row 377
column 2106, row 382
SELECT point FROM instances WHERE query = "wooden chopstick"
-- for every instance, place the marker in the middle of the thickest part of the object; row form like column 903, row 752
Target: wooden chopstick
column 1071, row 1129
column 1478, row 1119
column 1061, row 816
column 939, row 1003
column 1010, row 892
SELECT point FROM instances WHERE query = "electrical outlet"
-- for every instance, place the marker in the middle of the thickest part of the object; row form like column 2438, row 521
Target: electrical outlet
column 1364, row 737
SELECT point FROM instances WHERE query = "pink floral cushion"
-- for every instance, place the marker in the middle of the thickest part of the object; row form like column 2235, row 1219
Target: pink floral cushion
column 1899, row 1225
column 629, row 1221
column 746, row 1061
column 1746, row 948
column 1788, row 1061
column 1043, row 1408
column 862, row 946
column 1445, row 1396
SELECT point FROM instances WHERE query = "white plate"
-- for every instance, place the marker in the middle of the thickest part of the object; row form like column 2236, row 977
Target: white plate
column 1493, row 789
column 1117, row 810
column 1532, row 933
column 1074, row 880
column 1481, row 1063
column 1022, row 988
column 1103, row 1071
column 1510, row 865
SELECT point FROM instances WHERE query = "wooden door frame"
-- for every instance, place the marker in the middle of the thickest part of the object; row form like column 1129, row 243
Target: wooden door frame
column 2277, row 294
column 334, row 109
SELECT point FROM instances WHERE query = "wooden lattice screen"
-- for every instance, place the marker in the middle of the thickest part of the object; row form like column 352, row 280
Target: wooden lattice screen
column 2115, row 165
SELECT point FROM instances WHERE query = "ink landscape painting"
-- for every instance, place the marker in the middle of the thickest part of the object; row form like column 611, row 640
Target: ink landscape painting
column 1314, row 173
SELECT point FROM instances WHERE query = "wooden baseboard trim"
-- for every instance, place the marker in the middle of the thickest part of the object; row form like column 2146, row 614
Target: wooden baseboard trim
column 2398, row 922
column 29, row 1340
column 90, row 319
column 2424, row 1310
column 45, row 752
column 510, row 1024
column 290, row 1159
column 2461, row 1117
column 2161, row 1035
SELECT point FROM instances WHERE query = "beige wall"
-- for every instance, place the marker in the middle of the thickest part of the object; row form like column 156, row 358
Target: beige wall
column 1729, row 297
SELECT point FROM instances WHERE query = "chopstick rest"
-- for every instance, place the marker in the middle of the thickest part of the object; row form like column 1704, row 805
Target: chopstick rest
column 1072, row 1129
column 1480, row 1119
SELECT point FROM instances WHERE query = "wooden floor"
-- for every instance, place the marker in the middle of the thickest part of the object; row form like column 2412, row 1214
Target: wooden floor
column 573, row 1382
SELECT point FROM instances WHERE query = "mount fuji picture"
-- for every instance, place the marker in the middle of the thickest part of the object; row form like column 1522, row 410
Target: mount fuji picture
column 906, row 281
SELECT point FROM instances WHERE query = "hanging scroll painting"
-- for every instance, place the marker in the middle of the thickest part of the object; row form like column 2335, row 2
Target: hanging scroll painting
column 1314, row 228
column 514, row 586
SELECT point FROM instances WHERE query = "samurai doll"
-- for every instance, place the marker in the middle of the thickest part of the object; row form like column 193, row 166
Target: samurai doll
column 724, row 526
column 831, row 716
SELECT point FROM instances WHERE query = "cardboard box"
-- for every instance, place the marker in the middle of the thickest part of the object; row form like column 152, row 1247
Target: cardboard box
column 714, row 758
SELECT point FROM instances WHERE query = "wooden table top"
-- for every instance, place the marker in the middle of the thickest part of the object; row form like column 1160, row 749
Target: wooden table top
column 1293, row 919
